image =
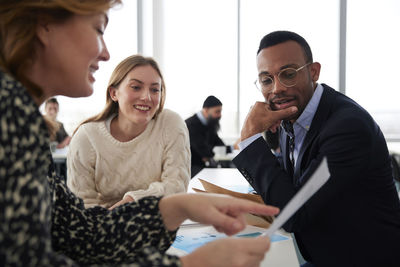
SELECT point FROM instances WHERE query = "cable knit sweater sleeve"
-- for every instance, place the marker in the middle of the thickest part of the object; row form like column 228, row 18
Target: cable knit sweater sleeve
column 175, row 173
column 81, row 168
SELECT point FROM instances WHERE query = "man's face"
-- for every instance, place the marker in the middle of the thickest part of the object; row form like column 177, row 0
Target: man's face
column 271, row 60
column 214, row 112
column 52, row 110
column 213, row 115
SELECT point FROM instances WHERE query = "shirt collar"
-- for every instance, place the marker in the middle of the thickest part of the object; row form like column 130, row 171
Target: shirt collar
column 201, row 118
column 306, row 117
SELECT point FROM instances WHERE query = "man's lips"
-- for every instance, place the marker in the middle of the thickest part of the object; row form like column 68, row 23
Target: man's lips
column 282, row 103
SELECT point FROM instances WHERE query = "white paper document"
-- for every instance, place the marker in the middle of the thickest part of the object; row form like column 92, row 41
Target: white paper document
column 190, row 238
column 318, row 179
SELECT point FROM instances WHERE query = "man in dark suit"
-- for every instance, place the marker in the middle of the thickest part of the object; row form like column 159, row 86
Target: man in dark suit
column 354, row 219
column 203, row 132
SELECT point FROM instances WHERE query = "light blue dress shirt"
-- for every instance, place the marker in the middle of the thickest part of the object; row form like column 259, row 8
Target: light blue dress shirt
column 300, row 126
column 201, row 118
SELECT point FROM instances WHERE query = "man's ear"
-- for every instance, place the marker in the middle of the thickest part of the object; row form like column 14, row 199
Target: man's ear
column 315, row 68
column 205, row 112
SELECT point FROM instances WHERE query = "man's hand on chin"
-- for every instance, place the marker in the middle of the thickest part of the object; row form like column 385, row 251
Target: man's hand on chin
column 261, row 118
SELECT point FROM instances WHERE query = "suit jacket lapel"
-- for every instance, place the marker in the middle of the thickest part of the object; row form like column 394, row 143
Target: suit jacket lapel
column 284, row 141
column 320, row 117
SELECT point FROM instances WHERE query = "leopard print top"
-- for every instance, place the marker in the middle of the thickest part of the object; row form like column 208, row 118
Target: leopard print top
column 43, row 224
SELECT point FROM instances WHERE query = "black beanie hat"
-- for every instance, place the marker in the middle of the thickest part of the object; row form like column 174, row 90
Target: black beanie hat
column 211, row 101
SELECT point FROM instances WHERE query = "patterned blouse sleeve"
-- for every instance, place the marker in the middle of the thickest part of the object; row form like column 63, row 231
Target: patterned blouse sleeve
column 133, row 232
column 43, row 224
column 81, row 161
column 25, row 235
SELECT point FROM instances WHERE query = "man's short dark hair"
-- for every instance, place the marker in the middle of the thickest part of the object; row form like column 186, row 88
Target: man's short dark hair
column 51, row 100
column 211, row 101
column 279, row 37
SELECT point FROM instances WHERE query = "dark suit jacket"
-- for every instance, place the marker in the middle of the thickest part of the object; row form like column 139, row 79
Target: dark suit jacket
column 202, row 141
column 354, row 219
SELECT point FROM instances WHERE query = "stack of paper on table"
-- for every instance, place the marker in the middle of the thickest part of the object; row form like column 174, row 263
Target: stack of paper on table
column 256, row 220
column 313, row 184
column 190, row 237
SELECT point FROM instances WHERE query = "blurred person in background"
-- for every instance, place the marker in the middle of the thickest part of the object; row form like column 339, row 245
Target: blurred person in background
column 203, row 132
column 51, row 108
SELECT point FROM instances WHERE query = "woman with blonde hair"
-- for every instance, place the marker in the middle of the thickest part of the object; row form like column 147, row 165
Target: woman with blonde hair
column 53, row 47
column 134, row 148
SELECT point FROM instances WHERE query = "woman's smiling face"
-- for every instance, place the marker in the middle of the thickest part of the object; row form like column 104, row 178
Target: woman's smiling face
column 138, row 95
column 70, row 54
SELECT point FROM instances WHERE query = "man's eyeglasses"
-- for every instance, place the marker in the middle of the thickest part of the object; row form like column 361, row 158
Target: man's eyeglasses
column 287, row 77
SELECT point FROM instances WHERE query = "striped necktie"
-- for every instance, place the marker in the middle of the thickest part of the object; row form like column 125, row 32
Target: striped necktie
column 288, row 126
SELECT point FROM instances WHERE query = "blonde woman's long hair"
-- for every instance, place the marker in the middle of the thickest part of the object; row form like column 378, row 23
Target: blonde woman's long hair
column 118, row 75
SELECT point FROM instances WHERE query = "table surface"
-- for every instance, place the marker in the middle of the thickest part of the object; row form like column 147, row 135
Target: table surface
column 219, row 176
column 226, row 156
column 281, row 253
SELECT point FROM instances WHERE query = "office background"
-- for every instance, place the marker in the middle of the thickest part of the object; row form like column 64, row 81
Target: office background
column 209, row 47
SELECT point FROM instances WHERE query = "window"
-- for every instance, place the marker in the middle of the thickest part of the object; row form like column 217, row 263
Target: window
column 121, row 41
column 372, row 56
column 317, row 21
column 200, row 50
column 209, row 47
column 199, row 57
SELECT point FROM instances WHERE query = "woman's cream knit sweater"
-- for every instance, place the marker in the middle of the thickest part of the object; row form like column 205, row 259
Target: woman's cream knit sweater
column 102, row 170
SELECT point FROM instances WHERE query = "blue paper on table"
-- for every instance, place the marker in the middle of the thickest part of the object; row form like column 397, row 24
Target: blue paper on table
column 190, row 243
column 245, row 189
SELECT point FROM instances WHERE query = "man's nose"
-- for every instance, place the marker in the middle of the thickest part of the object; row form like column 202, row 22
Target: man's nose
column 278, row 87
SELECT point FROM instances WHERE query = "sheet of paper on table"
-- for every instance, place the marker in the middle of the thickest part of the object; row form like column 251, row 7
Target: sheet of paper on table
column 233, row 190
column 256, row 220
column 190, row 238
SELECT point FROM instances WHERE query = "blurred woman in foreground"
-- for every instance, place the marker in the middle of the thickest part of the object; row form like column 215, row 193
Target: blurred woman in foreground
column 53, row 48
